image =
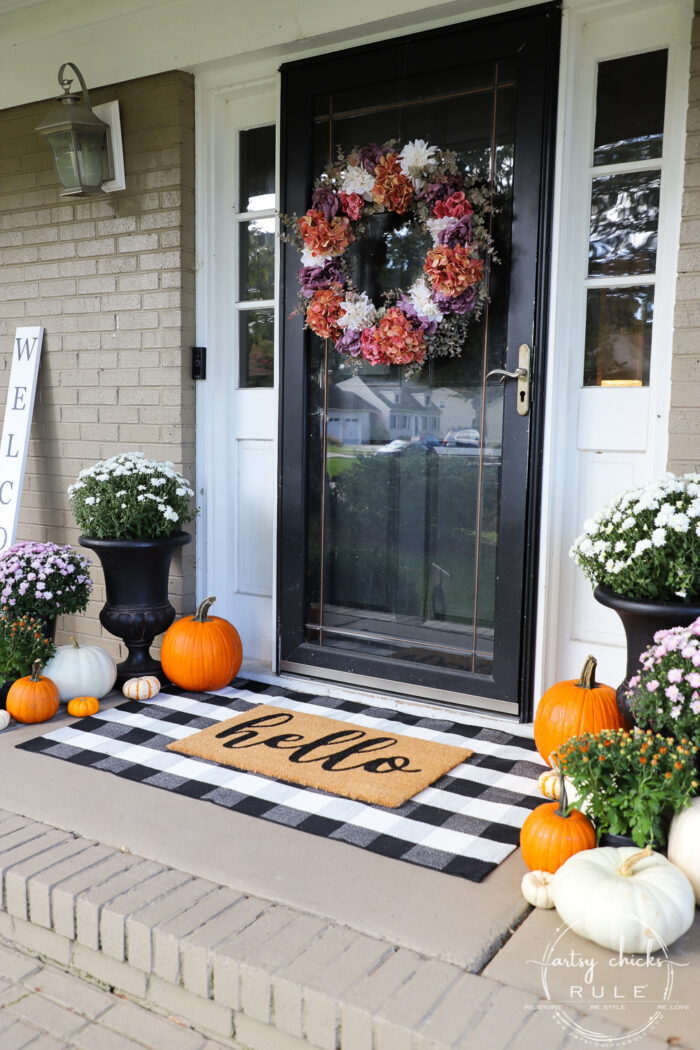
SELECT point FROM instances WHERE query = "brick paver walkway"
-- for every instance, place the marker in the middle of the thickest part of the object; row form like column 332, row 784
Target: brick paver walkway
column 43, row 1008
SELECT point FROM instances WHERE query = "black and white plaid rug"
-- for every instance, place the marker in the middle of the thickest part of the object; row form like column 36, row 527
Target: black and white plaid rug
column 465, row 824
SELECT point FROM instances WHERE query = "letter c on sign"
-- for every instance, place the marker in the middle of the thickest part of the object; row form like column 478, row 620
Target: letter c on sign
column 2, row 493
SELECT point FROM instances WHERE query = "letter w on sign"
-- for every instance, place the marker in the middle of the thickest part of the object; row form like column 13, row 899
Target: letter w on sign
column 26, row 352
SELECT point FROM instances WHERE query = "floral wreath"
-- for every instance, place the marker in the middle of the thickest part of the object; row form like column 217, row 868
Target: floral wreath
column 429, row 319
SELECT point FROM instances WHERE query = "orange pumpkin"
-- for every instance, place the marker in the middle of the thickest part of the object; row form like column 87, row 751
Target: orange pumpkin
column 576, row 706
column 82, row 706
column 549, row 837
column 34, row 698
column 201, row 652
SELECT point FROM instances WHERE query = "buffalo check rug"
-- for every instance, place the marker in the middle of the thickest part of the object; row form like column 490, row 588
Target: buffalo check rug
column 464, row 824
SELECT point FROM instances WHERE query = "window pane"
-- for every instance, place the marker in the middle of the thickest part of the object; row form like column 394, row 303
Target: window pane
column 257, row 170
column 624, row 223
column 618, row 336
column 257, row 341
column 256, row 259
column 630, row 108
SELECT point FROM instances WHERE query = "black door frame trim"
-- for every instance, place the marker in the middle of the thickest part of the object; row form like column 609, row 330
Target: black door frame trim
column 292, row 649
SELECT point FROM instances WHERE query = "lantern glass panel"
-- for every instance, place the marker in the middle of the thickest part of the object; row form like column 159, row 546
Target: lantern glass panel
column 61, row 143
column 89, row 159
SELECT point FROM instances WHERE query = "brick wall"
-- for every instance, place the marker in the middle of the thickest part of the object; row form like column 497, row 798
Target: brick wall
column 684, row 423
column 112, row 281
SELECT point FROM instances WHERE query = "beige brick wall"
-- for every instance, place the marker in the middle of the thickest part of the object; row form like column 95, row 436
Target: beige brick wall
column 112, row 281
column 684, row 422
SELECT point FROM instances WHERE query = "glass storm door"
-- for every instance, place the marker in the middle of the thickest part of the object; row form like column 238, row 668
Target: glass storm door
column 408, row 519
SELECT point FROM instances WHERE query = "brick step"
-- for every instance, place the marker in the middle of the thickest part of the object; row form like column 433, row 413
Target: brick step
column 237, row 967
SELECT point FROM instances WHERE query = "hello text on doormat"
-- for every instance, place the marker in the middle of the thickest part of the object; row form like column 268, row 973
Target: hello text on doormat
column 340, row 757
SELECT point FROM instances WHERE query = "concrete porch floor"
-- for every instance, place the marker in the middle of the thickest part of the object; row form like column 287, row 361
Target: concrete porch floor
column 405, row 935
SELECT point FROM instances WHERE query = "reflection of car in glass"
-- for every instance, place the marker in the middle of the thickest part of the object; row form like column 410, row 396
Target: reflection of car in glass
column 394, row 446
column 469, row 437
column 426, row 440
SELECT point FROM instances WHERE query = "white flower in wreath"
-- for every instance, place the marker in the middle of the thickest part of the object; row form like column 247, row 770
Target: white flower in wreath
column 356, row 180
column 420, row 296
column 415, row 158
column 436, row 226
column 308, row 258
column 358, row 312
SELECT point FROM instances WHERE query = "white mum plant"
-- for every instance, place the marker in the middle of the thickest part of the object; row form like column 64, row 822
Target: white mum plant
column 646, row 542
column 130, row 497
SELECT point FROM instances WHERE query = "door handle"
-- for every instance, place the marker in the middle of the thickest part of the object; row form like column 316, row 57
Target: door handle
column 522, row 374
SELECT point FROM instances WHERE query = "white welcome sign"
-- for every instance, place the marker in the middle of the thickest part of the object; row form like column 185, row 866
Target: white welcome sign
column 15, row 430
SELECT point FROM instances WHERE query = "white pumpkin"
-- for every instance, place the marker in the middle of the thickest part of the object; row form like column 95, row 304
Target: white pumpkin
column 81, row 670
column 684, row 844
column 142, row 688
column 624, row 899
column 4, row 720
column 536, row 887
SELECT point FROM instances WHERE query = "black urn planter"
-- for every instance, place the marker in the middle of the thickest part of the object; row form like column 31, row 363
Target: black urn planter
column 4, row 690
column 137, row 608
column 641, row 620
column 607, row 839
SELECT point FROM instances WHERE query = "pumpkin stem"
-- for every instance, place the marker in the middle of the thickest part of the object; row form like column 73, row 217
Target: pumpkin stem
column 627, row 866
column 563, row 800
column 202, row 609
column 587, row 679
column 75, row 644
column 36, row 667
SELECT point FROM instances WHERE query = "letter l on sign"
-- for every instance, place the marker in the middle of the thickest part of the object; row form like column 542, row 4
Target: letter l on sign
column 19, row 408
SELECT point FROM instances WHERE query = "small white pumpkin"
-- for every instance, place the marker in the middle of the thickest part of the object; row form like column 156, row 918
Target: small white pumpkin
column 684, row 844
column 548, row 783
column 142, row 688
column 4, row 720
column 81, row 670
column 624, row 899
column 537, row 889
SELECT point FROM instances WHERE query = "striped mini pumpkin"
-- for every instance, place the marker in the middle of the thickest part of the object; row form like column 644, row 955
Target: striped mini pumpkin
column 143, row 688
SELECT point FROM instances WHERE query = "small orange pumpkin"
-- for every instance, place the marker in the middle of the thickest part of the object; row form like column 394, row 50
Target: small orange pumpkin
column 549, row 836
column 578, row 705
column 33, row 698
column 82, row 706
column 201, row 652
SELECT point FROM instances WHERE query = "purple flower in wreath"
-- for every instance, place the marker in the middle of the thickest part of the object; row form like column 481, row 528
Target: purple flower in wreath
column 458, row 232
column 311, row 278
column 406, row 306
column 369, row 156
column 439, row 191
column 325, row 200
column 350, row 342
column 458, row 304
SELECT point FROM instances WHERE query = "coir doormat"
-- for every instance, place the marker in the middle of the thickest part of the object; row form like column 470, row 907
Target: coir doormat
column 465, row 824
column 353, row 761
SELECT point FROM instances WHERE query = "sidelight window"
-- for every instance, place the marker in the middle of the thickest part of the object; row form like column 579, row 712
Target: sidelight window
column 624, row 219
column 255, row 239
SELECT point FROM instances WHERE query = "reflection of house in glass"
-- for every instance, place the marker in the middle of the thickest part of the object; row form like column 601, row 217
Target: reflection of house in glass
column 372, row 410
column 366, row 411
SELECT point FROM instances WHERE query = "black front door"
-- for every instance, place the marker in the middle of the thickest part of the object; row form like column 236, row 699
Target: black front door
column 408, row 522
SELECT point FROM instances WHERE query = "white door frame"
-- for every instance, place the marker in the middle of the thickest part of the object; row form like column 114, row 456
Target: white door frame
column 235, row 82
column 593, row 32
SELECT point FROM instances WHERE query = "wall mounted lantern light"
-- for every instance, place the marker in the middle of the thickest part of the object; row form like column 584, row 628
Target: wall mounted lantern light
column 86, row 149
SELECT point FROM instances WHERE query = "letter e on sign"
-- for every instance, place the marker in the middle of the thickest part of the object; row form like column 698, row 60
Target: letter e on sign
column 26, row 351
